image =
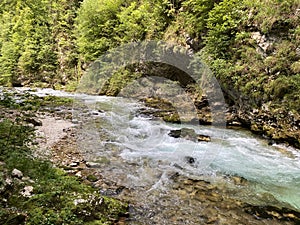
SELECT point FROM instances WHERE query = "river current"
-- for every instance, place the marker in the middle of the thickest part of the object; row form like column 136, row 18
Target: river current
column 142, row 154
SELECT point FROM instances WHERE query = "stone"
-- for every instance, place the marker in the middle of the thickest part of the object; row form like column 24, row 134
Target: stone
column 27, row 191
column 175, row 133
column 190, row 160
column 92, row 164
column 95, row 113
column 17, row 173
column 8, row 181
column 78, row 174
column 74, row 164
column 202, row 137
column 189, row 134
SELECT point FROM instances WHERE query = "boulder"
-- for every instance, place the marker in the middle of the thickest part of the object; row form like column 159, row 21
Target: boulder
column 189, row 134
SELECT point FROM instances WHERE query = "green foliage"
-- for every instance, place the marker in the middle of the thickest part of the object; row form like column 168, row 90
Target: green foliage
column 273, row 16
column 195, row 14
column 96, row 21
column 105, row 24
column 285, row 90
column 140, row 21
column 33, row 38
column 120, row 80
column 13, row 137
column 52, row 42
column 222, row 23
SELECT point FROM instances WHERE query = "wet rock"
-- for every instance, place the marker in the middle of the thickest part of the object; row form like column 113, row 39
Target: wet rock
column 239, row 180
column 277, row 125
column 190, row 160
column 189, row 134
column 17, row 174
column 205, row 138
column 92, row 164
column 95, row 113
column 175, row 133
column 271, row 213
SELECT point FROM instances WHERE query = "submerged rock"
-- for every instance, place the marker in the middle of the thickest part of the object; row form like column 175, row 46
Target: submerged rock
column 189, row 134
column 190, row 159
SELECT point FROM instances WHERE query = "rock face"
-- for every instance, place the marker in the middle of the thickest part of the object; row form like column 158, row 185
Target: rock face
column 278, row 125
column 189, row 134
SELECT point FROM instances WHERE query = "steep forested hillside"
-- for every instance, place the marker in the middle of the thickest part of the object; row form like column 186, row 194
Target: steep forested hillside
column 37, row 42
column 252, row 46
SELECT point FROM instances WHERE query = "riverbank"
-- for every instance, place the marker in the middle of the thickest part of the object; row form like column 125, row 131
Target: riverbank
column 33, row 190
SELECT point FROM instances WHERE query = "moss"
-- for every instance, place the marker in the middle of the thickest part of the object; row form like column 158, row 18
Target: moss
column 71, row 86
column 172, row 118
column 55, row 101
column 92, row 178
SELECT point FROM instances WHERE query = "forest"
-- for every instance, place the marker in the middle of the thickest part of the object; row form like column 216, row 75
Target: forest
column 251, row 46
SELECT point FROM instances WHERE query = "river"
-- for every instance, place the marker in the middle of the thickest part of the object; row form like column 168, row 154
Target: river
column 139, row 155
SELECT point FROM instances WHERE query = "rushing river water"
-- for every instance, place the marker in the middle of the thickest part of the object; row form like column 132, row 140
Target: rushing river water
column 141, row 154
